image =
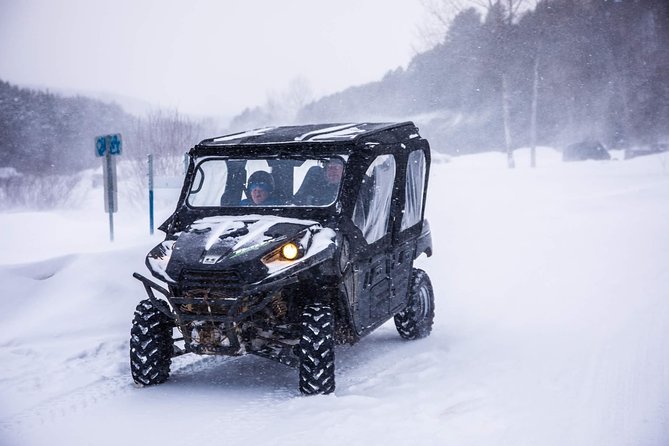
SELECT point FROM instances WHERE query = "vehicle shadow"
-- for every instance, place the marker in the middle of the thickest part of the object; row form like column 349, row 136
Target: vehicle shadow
column 263, row 377
column 236, row 374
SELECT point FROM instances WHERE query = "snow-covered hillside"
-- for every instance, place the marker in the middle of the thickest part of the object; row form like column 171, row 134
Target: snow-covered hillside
column 552, row 327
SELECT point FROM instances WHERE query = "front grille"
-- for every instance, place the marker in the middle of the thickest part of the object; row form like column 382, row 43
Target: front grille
column 213, row 293
column 206, row 301
column 210, row 279
column 203, row 301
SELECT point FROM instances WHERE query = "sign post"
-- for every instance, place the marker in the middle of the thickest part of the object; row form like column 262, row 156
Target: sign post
column 151, row 194
column 108, row 147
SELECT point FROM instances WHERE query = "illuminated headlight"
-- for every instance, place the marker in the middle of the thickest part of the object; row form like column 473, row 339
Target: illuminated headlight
column 290, row 251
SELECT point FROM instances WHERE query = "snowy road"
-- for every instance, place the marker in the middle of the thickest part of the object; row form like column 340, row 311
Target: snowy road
column 552, row 328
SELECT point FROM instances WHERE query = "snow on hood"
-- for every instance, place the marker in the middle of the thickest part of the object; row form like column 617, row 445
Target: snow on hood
column 158, row 259
column 228, row 241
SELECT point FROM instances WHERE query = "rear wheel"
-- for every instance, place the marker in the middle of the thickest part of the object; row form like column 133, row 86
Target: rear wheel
column 316, row 351
column 415, row 321
column 151, row 345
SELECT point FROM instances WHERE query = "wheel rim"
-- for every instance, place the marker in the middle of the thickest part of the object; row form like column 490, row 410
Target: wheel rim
column 423, row 302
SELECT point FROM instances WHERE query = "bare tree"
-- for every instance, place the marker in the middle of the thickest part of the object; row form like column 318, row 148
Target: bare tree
column 280, row 107
column 506, row 117
column 533, row 111
column 440, row 14
column 297, row 95
column 284, row 106
column 501, row 16
column 167, row 135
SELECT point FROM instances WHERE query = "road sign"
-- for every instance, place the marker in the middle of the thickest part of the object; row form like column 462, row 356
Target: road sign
column 100, row 146
column 115, row 144
column 108, row 144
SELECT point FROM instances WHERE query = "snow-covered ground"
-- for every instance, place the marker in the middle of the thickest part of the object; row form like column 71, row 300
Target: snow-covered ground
column 552, row 327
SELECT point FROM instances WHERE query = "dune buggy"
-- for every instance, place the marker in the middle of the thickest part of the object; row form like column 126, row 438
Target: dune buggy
column 326, row 258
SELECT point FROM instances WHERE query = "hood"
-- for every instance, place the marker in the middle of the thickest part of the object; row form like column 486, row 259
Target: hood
column 236, row 243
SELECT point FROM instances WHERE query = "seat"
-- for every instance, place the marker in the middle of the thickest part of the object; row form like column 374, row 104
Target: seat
column 312, row 184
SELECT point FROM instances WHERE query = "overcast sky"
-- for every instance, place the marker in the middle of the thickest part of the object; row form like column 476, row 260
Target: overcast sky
column 205, row 57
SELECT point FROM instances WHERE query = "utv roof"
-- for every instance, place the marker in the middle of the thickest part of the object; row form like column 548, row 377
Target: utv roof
column 356, row 133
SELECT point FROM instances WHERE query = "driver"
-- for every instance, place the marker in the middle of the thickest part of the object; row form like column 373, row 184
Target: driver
column 259, row 189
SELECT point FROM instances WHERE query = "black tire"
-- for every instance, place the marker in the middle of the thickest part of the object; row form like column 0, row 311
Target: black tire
column 415, row 321
column 151, row 345
column 317, row 351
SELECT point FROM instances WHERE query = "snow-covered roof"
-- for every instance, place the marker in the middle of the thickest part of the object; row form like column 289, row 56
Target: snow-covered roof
column 312, row 133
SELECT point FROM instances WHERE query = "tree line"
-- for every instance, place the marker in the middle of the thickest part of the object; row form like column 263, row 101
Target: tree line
column 563, row 71
column 47, row 144
column 47, row 134
column 590, row 69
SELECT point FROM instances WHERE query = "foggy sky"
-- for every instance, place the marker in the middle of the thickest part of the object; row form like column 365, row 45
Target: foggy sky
column 203, row 57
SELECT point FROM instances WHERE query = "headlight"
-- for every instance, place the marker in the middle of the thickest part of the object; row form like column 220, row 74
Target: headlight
column 290, row 251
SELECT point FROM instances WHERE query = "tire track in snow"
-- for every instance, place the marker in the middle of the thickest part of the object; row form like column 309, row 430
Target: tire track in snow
column 634, row 373
column 623, row 373
column 87, row 396
column 51, row 410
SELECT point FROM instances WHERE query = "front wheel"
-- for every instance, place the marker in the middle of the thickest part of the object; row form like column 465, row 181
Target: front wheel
column 151, row 345
column 415, row 321
column 316, row 351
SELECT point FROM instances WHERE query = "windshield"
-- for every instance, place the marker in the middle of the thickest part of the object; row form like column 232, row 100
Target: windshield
column 227, row 182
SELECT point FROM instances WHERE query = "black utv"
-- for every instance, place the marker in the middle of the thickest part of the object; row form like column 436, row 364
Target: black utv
column 285, row 242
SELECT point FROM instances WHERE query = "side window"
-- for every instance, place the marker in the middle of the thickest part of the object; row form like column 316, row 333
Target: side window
column 415, row 184
column 372, row 207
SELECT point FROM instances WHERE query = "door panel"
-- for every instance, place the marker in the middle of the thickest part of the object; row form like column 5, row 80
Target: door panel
column 373, row 264
column 372, row 283
column 408, row 225
column 401, row 274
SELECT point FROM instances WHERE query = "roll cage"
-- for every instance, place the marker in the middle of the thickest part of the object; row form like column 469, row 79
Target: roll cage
column 360, row 144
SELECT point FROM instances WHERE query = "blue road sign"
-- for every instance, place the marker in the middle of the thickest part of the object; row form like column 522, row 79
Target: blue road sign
column 115, row 144
column 111, row 143
column 100, row 145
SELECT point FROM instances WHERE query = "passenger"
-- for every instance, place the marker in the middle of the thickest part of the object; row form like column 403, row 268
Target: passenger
column 334, row 169
column 321, row 185
column 259, row 189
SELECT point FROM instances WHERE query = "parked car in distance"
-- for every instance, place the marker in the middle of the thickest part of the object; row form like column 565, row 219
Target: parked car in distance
column 585, row 150
column 647, row 149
